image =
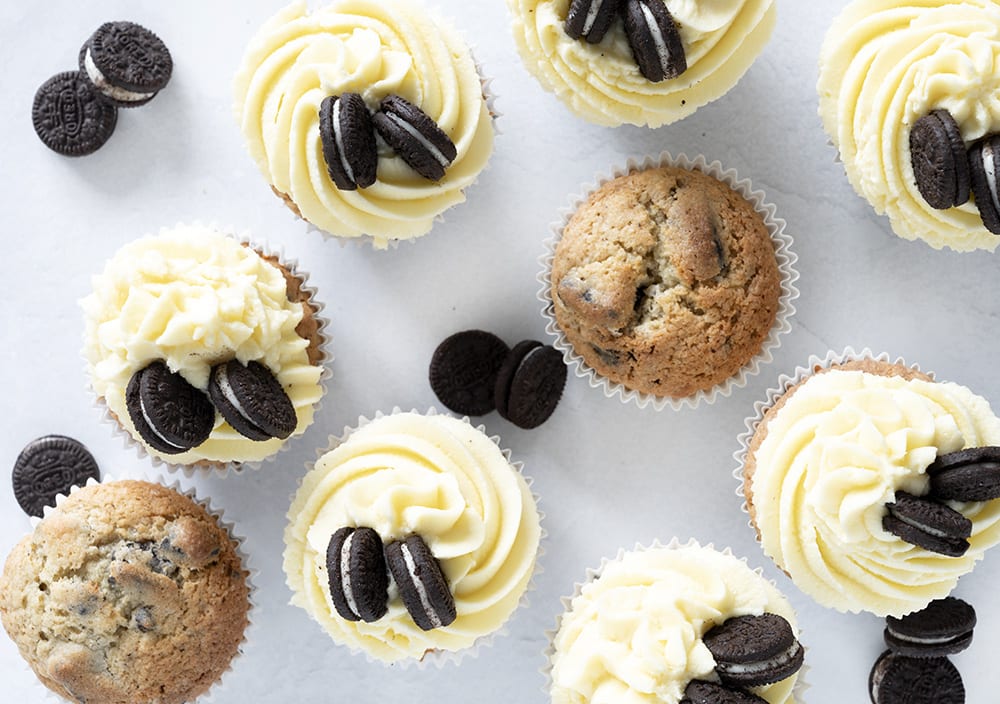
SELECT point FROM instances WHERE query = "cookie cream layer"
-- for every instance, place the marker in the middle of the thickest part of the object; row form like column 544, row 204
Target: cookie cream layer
column 438, row 477
column 834, row 454
column 885, row 64
column 634, row 633
column 374, row 48
column 194, row 297
column 602, row 83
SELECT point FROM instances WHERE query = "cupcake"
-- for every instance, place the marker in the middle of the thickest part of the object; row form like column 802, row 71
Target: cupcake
column 206, row 350
column 315, row 88
column 884, row 66
column 435, row 503
column 666, row 282
column 839, row 476
column 642, row 62
column 660, row 624
column 126, row 593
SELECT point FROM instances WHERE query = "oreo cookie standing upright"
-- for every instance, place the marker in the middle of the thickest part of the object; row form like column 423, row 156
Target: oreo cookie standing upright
column 170, row 414
column 422, row 585
column 126, row 63
column 69, row 117
column 655, row 42
column 251, row 400
column 927, row 524
column 590, row 19
column 348, row 136
column 984, row 160
column 418, row 140
column 751, row 651
column 358, row 580
column 49, row 466
column 972, row 474
column 939, row 162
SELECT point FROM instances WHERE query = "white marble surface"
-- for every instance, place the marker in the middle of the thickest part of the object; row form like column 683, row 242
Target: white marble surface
column 609, row 474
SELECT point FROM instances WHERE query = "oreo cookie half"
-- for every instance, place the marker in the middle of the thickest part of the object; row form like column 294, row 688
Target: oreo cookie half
column 928, row 524
column 590, row 19
column 68, row 116
column 530, row 383
column 896, row 679
column 943, row 627
column 126, row 62
column 49, row 466
column 940, row 165
column 701, row 692
column 655, row 42
column 348, row 136
column 251, row 400
column 415, row 137
column 972, row 474
column 751, row 651
column 170, row 414
column 463, row 371
column 984, row 158
column 359, row 583
column 422, row 585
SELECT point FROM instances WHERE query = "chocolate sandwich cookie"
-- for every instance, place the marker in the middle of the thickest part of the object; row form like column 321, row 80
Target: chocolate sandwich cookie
column 348, row 136
column 590, row 19
column 928, row 524
column 984, row 157
column 49, row 466
column 463, row 371
column 655, row 42
column 251, row 400
column 751, row 651
column 170, row 414
column 529, row 384
column 422, row 585
column 896, row 679
column 418, row 140
column 68, row 116
column 701, row 692
column 944, row 627
column 126, row 63
column 972, row 474
column 940, row 164
column 359, row 582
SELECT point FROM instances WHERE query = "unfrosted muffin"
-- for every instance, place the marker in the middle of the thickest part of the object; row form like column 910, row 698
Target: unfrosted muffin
column 126, row 593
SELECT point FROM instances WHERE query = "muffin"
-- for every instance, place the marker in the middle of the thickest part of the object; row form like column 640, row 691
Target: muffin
column 830, row 457
column 375, row 50
column 600, row 76
column 885, row 65
column 190, row 303
column 666, row 280
column 406, row 478
column 640, row 628
column 126, row 593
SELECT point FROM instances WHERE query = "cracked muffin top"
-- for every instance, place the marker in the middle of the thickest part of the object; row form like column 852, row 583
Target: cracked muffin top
column 665, row 280
column 127, row 593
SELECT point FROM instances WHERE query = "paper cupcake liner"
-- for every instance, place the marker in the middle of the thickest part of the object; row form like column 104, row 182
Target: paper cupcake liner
column 784, row 255
column 207, row 467
column 441, row 658
column 592, row 574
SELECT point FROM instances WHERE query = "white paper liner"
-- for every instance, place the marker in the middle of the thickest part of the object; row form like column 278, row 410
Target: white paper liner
column 592, row 574
column 218, row 687
column 441, row 658
column 784, row 255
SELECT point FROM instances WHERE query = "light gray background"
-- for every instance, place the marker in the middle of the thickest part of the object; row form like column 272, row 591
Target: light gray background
column 609, row 474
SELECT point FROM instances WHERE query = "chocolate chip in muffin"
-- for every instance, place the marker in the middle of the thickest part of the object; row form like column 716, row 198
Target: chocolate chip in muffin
column 252, row 400
column 928, row 524
column 943, row 627
column 418, row 140
column 896, row 679
column 356, row 569
column 590, row 19
column 69, row 117
column 49, row 466
column 751, row 651
column 170, row 414
column 128, row 57
column 463, row 371
column 984, row 158
column 972, row 474
column 940, row 164
column 348, row 136
column 530, row 383
column 421, row 582
column 655, row 42
column 702, row 692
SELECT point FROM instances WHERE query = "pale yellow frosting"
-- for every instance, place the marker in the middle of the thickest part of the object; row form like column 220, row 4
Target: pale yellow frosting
column 837, row 451
column 194, row 297
column 602, row 83
column 634, row 634
column 435, row 476
column 374, row 48
column 885, row 64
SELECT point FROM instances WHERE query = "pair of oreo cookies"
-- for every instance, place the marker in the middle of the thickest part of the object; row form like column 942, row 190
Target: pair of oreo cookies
column 347, row 130
column 49, row 466
column 122, row 64
column 473, row 372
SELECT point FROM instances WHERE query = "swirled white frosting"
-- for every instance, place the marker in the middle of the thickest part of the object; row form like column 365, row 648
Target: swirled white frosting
column 885, row 64
column 834, row 454
column 435, row 476
column 374, row 48
column 602, row 83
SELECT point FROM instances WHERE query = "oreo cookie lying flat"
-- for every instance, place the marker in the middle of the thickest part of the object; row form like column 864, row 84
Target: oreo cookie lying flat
column 940, row 165
column 422, row 585
column 655, row 42
column 126, row 63
column 251, row 400
column 928, row 524
column 49, row 466
column 463, row 371
column 943, row 627
column 68, row 116
column 348, row 136
column 415, row 137
column 701, row 692
column 896, row 679
column 529, row 384
column 984, row 160
column 972, row 474
column 590, row 19
column 358, row 581
column 170, row 414
column 751, row 651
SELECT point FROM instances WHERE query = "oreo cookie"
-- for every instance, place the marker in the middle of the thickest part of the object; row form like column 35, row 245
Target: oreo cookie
column 348, row 136
column 126, row 63
column 422, row 585
column 751, row 651
column 972, row 474
column 415, row 137
column 984, row 158
column 49, row 466
column 944, row 627
column 358, row 580
column 463, row 371
column 590, row 19
column 940, row 165
column 928, row 524
column 702, row 692
column 251, row 400
column 529, row 384
column 68, row 116
column 170, row 414
column 655, row 42
column 897, row 679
